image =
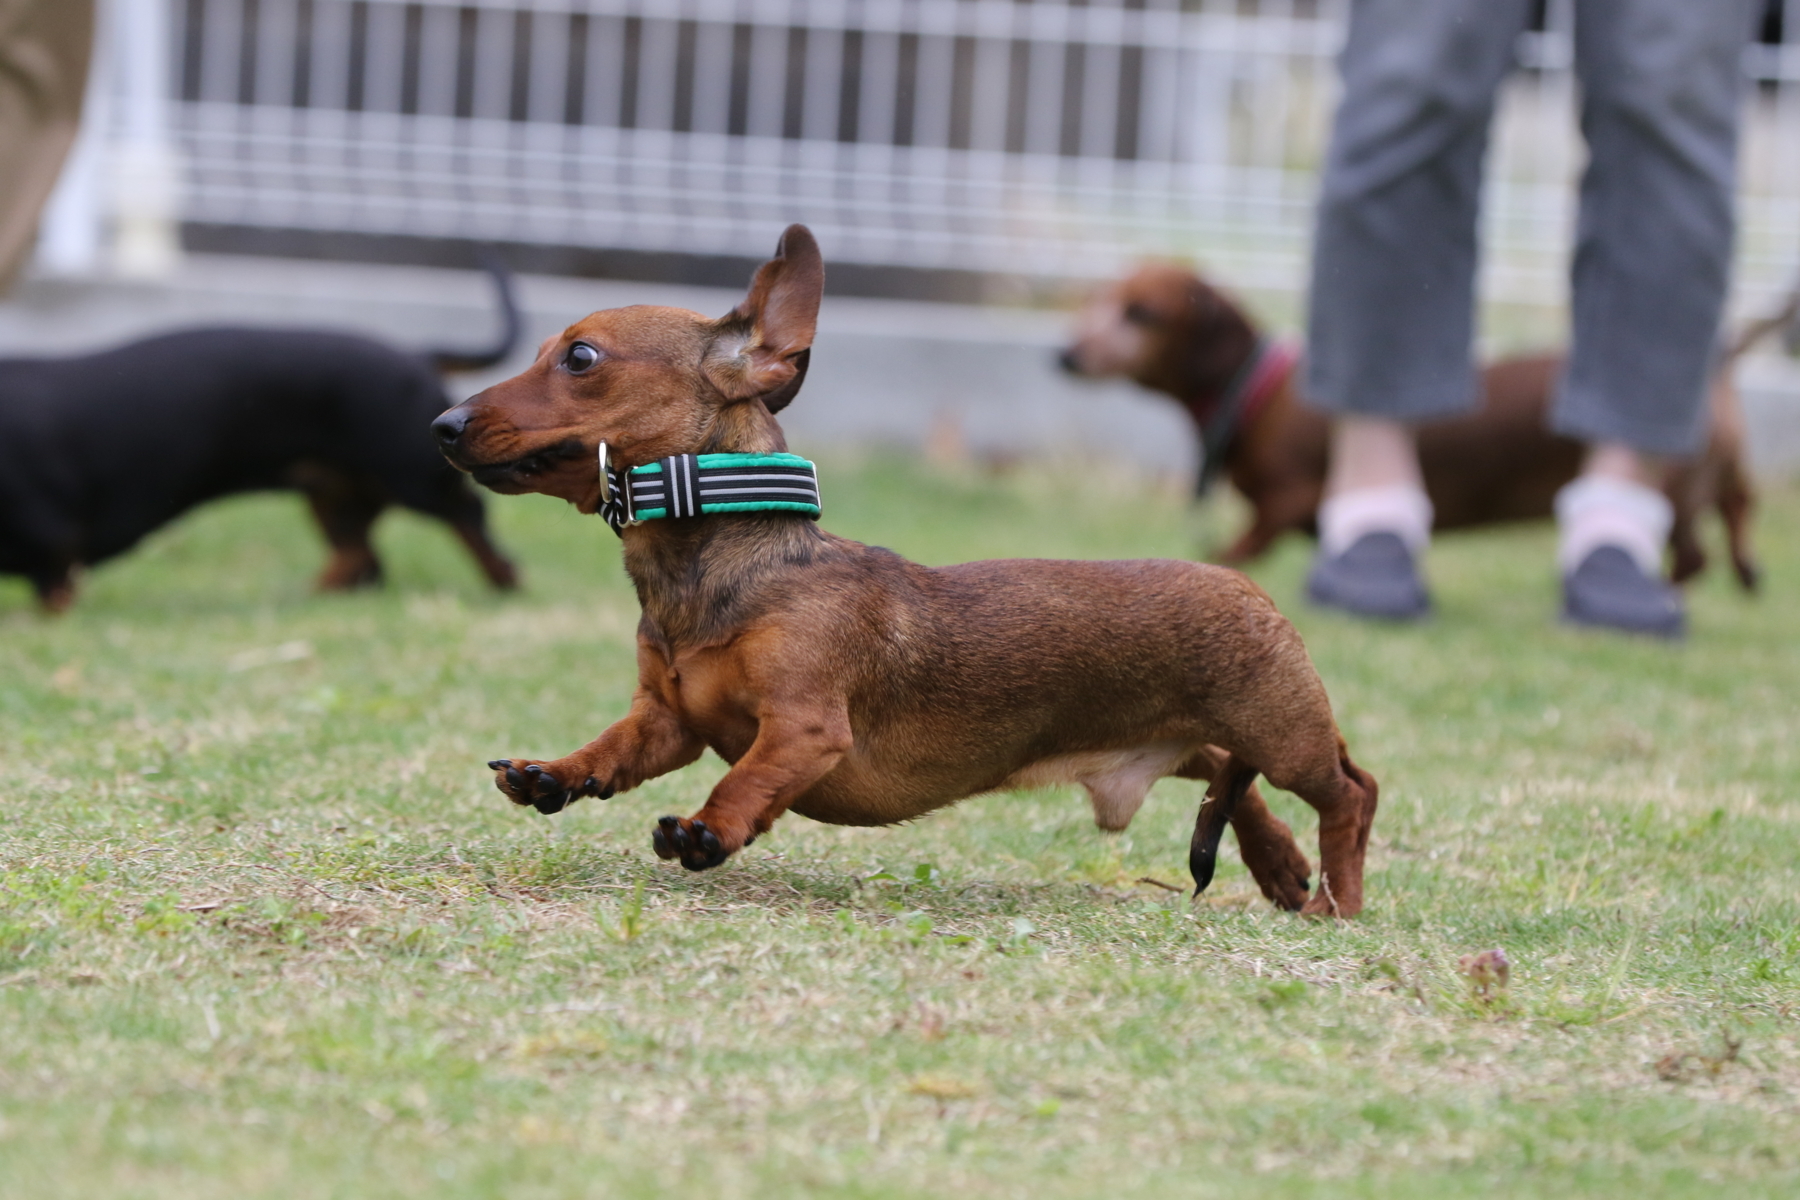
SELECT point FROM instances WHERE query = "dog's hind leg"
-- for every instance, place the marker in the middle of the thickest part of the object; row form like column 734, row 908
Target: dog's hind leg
column 450, row 499
column 345, row 511
column 1293, row 509
column 1690, row 490
column 55, row 588
column 1687, row 556
column 496, row 566
column 1735, row 501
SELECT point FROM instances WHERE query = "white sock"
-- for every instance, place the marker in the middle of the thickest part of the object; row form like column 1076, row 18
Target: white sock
column 1603, row 510
column 1399, row 508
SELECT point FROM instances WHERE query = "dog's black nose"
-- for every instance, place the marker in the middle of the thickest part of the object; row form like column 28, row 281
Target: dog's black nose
column 1068, row 361
column 451, row 424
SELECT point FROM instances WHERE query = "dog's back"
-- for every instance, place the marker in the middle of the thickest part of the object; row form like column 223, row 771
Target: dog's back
column 139, row 434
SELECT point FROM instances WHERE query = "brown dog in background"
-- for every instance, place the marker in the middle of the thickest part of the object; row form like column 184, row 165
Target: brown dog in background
column 854, row 687
column 1168, row 330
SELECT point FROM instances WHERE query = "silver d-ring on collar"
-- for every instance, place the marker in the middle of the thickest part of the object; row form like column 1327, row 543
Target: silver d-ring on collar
column 615, row 493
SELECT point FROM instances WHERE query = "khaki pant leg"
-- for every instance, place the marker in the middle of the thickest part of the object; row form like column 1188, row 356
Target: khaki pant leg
column 44, row 50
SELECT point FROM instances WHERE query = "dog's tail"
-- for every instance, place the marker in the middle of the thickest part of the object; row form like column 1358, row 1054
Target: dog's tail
column 1228, row 787
column 511, row 322
column 1784, row 321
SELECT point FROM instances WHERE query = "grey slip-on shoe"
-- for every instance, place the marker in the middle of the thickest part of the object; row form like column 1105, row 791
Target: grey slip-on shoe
column 1375, row 577
column 1608, row 590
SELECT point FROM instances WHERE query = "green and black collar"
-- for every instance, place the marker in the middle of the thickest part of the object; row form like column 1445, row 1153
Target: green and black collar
column 694, row 485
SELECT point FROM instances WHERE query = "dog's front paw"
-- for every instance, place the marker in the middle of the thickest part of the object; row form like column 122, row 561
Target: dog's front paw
column 698, row 847
column 547, row 787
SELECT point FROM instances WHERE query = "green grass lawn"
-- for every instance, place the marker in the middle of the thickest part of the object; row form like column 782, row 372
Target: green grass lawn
column 266, row 928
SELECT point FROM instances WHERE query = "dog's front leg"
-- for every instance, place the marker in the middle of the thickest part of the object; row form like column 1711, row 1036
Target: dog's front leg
column 1272, row 518
column 794, row 749
column 55, row 588
column 649, row 741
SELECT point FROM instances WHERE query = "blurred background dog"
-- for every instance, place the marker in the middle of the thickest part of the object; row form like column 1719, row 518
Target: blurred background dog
column 1166, row 329
column 98, row 450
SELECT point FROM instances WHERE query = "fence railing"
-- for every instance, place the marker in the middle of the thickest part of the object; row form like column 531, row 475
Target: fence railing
column 1034, row 136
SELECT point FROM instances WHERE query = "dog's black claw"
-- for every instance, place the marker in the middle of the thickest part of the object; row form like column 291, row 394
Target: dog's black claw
column 533, row 769
column 709, row 841
column 697, row 847
column 606, row 793
column 709, row 852
column 499, row 764
column 663, row 837
column 588, row 785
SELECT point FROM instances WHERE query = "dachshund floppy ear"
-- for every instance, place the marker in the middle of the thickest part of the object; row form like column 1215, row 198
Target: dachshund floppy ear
column 760, row 348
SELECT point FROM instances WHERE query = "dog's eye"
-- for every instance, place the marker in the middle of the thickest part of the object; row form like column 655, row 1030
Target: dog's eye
column 580, row 357
column 1137, row 314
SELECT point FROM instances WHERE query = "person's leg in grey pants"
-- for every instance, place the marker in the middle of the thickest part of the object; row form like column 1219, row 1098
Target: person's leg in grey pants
column 1392, row 303
column 1392, row 300
column 1663, row 84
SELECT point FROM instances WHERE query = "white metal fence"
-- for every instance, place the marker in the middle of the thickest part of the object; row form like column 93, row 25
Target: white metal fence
column 1035, row 136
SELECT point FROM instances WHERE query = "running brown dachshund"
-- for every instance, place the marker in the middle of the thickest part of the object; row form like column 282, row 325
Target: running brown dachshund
column 1167, row 329
column 854, row 687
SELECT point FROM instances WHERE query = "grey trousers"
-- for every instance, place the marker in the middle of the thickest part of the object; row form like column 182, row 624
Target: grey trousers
column 1392, row 302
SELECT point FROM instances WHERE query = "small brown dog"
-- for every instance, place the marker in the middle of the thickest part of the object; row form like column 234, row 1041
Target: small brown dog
column 1168, row 330
column 854, row 687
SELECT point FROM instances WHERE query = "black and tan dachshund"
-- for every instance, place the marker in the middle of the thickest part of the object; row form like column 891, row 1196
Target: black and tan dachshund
column 97, row 451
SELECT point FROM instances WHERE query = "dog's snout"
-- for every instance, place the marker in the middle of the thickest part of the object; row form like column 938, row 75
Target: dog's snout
column 449, row 426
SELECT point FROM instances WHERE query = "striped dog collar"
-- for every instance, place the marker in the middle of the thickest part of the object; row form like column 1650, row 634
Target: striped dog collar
column 694, row 485
column 1269, row 364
